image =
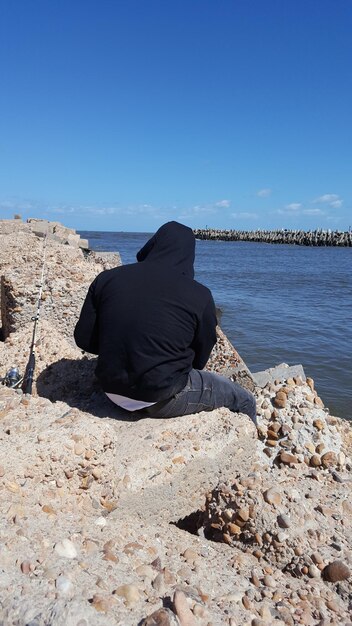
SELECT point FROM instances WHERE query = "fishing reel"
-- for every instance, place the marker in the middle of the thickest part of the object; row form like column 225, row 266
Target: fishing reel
column 12, row 377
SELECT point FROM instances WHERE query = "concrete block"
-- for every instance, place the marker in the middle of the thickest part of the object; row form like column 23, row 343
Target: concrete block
column 41, row 227
column 111, row 259
column 279, row 372
column 73, row 239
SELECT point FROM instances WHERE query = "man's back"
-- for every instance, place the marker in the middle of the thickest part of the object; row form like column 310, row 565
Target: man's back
column 149, row 322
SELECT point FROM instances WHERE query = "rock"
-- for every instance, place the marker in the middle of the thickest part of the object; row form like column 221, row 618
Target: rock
column 169, row 577
column 329, row 459
column 47, row 508
column 280, row 400
column 102, row 603
column 315, row 460
column 161, row 617
column 269, row 581
column 317, row 558
column 272, row 496
column 66, row 549
column 129, row 593
column 243, row 514
column 318, row 424
column 314, row 571
column 63, row 584
column 341, row 458
column 146, row 571
column 79, row 449
column 269, row 452
column 336, row 571
column 159, row 583
column 287, row 458
column 200, row 611
column 246, row 602
column 271, row 442
column 50, row 492
column 156, row 564
column 310, row 383
column 234, row 529
column 182, row 609
column 97, row 473
column 333, row 606
column 25, row 567
column 284, row 521
column 190, row 555
column 110, row 556
column 272, row 434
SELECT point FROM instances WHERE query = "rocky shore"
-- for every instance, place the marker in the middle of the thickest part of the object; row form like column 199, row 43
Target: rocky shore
column 296, row 237
column 194, row 521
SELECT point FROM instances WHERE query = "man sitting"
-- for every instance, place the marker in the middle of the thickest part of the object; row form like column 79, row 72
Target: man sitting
column 153, row 328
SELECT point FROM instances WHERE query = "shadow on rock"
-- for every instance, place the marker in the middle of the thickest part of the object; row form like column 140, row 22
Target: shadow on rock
column 73, row 381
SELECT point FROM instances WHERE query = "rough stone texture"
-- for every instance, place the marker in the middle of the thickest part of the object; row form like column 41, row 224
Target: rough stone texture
column 105, row 520
column 225, row 360
column 280, row 372
column 53, row 230
column 68, row 274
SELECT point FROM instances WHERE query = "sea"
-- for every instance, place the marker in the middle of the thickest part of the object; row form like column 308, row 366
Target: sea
column 279, row 303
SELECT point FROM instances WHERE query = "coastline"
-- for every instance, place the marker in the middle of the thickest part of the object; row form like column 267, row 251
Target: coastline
column 192, row 521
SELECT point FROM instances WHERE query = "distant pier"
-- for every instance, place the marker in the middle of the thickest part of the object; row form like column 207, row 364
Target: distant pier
column 295, row 237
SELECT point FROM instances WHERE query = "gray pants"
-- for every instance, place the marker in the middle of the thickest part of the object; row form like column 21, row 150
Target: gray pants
column 205, row 391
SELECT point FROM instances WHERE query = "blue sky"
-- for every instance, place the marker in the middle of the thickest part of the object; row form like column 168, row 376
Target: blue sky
column 121, row 115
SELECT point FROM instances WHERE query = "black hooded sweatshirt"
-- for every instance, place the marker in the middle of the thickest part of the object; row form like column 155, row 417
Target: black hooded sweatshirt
column 150, row 322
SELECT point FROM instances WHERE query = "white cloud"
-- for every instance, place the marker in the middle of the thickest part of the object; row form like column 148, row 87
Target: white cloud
column 294, row 206
column 264, row 193
column 327, row 197
column 245, row 215
column 332, row 199
column 62, row 210
column 199, row 209
column 336, row 204
column 103, row 211
column 295, row 209
column 313, row 212
column 82, row 210
column 223, row 204
column 25, row 206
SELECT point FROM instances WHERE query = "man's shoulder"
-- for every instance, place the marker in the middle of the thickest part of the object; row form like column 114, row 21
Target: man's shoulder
column 200, row 288
column 107, row 276
column 115, row 271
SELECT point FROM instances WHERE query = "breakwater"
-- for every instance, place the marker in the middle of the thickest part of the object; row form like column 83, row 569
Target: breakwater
column 295, row 237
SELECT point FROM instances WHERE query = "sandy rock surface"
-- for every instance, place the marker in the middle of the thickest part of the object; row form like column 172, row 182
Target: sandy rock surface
column 67, row 274
column 193, row 521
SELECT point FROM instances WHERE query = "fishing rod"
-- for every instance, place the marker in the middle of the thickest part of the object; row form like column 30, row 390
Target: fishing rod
column 30, row 367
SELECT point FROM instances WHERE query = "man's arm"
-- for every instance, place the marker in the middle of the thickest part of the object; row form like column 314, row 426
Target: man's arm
column 86, row 331
column 205, row 338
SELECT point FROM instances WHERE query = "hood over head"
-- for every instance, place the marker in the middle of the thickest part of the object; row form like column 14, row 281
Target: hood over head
column 174, row 245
